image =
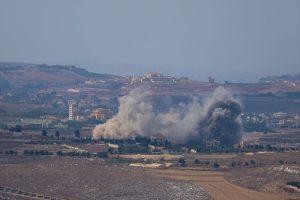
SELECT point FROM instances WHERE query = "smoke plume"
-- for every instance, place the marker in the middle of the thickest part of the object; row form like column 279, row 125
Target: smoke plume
column 217, row 117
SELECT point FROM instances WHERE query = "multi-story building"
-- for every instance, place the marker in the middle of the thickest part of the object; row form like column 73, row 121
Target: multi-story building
column 72, row 110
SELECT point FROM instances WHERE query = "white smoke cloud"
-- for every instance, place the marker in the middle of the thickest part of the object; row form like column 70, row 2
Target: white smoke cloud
column 218, row 117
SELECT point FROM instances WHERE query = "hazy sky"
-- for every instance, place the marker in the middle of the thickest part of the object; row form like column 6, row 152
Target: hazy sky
column 229, row 39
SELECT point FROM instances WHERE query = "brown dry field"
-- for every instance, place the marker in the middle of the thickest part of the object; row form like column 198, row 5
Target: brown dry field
column 262, row 181
column 218, row 187
column 167, row 157
column 54, row 175
column 81, row 178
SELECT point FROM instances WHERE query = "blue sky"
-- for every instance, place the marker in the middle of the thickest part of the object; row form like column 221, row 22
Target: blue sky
column 236, row 40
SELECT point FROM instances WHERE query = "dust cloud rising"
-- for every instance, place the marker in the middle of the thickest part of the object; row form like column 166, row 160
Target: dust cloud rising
column 217, row 117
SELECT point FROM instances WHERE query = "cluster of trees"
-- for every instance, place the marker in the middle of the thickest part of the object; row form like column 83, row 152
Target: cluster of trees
column 282, row 162
column 246, row 163
column 17, row 128
column 198, row 162
column 57, row 134
column 82, row 140
column 9, row 152
column 183, row 163
column 294, row 183
column 141, row 140
column 255, row 126
column 233, row 163
column 124, row 149
column 37, row 153
column 74, row 154
column 102, row 155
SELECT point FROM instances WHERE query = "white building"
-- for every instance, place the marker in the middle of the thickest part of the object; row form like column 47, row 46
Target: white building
column 72, row 110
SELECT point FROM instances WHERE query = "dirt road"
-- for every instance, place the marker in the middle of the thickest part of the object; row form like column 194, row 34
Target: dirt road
column 216, row 185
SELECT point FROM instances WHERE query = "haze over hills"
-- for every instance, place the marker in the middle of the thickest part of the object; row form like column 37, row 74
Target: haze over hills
column 140, row 100
column 286, row 77
column 25, row 83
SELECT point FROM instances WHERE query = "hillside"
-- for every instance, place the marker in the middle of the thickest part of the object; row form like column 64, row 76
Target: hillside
column 286, row 77
column 32, row 75
column 35, row 87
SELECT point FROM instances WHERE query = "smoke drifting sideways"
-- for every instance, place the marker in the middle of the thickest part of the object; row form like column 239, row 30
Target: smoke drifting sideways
column 217, row 117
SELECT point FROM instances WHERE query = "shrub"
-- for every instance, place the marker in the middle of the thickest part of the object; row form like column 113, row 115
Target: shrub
column 253, row 162
column 196, row 161
column 57, row 134
column 280, row 162
column 233, row 164
column 294, row 183
column 59, row 153
column 216, row 165
column 77, row 134
column 31, row 152
column 181, row 162
column 44, row 133
column 102, row 154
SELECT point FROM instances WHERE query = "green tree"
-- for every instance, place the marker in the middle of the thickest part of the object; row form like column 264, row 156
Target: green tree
column 57, row 134
column 196, row 161
column 253, row 162
column 280, row 162
column 77, row 134
column 59, row 153
column 216, row 165
column 182, row 162
column 102, row 154
column 233, row 163
column 16, row 128
column 44, row 133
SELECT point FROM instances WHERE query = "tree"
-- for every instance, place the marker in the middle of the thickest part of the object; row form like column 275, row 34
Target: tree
column 77, row 134
column 57, row 134
column 253, row 162
column 233, row 163
column 181, row 162
column 44, row 133
column 280, row 162
column 16, row 128
column 216, row 165
column 59, row 153
column 196, row 161
column 102, row 154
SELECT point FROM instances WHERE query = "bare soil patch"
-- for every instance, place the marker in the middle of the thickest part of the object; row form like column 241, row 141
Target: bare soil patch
column 215, row 183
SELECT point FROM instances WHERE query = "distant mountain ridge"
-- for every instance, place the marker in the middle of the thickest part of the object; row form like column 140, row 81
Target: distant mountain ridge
column 6, row 67
column 34, row 77
column 286, row 77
